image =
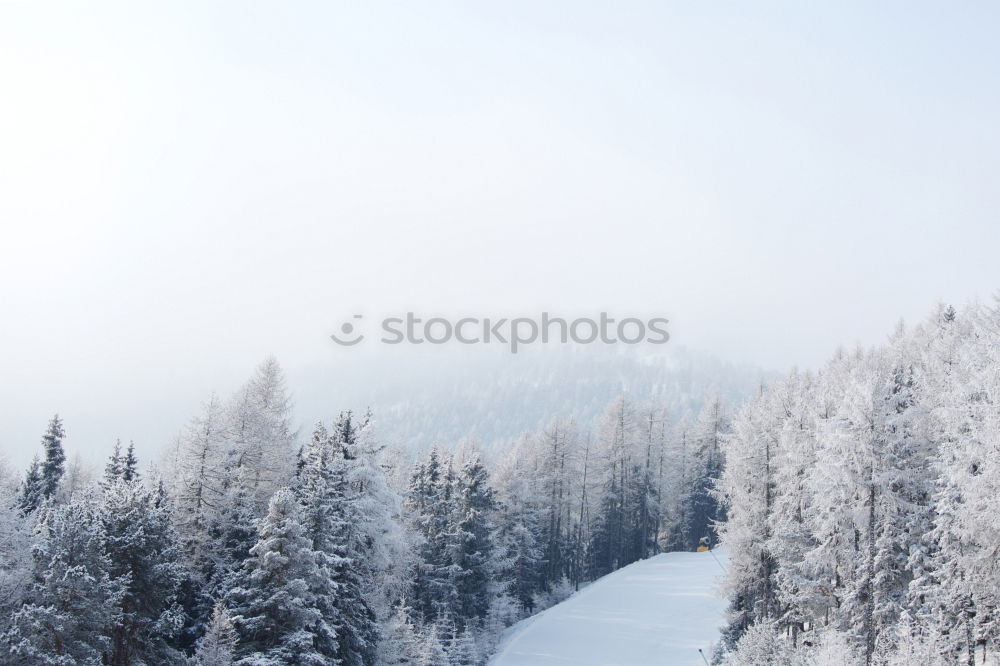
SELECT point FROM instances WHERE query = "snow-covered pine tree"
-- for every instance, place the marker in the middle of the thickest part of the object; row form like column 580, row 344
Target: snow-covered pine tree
column 376, row 539
column 30, row 496
column 747, row 488
column 142, row 550
column 121, row 467
column 763, row 643
column 933, row 602
column 678, row 476
column 233, row 532
column 504, row 611
column 645, row 500
column 217, row 647
column 702, row 508
column 262, row 453
column 977, row 518
column 464, row 650
column 70, row 610
column 904, row 487
column 873, row 456
column 215, row 535
column 520, row 562
column 225, row 466
column 274, row 606
column 16, row 535
column 470, row 543
column 113, row 468
column 331, row 518
column 400, row 643
column 42, row 478
column 432, row 652
column 790, row 534
column 429, row 503
column 130, row 464
column 554, row 455
column 609, row 540
column 960, row 588
column 54, row 458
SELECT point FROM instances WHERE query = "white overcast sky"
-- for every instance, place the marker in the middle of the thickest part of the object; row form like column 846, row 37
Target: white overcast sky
column 187, row 187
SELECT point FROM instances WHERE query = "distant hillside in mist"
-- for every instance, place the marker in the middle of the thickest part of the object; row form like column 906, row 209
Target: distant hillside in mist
column 451, row 394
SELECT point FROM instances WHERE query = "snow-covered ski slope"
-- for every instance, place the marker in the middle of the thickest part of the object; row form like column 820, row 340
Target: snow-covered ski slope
column 657, row 611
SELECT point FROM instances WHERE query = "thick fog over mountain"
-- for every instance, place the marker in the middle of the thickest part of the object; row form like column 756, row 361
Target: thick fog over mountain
column 446, row 396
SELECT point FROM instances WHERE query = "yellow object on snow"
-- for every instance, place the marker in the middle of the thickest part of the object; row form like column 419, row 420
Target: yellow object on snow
column 702, row 549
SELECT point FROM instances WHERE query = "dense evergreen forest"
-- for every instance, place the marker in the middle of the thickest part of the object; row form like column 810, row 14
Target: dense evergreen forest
column 246, row 546
column 862, row 504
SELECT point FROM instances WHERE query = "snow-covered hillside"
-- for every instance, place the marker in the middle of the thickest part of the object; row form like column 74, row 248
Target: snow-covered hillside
column 657, row 611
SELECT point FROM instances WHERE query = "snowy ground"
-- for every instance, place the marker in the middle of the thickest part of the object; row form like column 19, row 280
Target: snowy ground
column 658, row 611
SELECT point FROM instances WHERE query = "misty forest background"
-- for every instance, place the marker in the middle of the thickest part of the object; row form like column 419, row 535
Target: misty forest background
column 857, row 503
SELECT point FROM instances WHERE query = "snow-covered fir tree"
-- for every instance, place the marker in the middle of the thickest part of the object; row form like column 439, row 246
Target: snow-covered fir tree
column 261, row 451
column 331, row 520
column 275, row 606
column 142, row 550
column 73, row 607
column 429, row 506
column 54, row 458
column 43, row 476
column 30, row 496
column 17, row 530
column 470, row 542
column 217, row 647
